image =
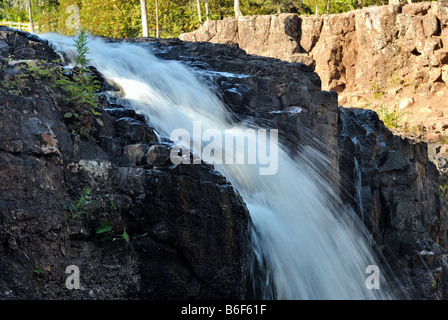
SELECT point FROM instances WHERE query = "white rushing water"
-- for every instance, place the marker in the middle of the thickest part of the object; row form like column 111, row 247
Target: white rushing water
column 313, row 251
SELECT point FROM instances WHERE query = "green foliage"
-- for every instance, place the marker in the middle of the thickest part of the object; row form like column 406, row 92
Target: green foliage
column 80, row 102
column 121, row 18
column 79, row 92
column 104, row 226
column 17, row 10
column 26, row 71
column 443, row 139
column 83, row 205
column 391, row 119
column 125, row 235
column 38, row 271
column 377, row 90
column 82, row 50
column 112, row 206
column 443, row 187
column 77, row 88
column 394, row 80
column 16, row 85
column 40, row 71
column 112, row 18
column 274, row 6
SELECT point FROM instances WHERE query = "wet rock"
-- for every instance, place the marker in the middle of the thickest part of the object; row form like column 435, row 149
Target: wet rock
column 23, row 45
column 158, row 155
column 135, row 131
column 133, row 154
column 398, row 200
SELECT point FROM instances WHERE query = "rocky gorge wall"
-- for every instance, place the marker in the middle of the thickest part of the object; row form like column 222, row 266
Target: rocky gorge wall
column 348, row 50
column 393, row 55
column 187, row 243
column 396, row 56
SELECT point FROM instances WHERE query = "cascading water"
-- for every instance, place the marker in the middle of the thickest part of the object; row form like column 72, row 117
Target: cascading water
column 311, row 250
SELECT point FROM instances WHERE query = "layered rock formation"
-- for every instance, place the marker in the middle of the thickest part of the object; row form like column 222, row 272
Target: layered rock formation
column 394, row 55
column 395, row 189
column 114, row 205
column 349, row 50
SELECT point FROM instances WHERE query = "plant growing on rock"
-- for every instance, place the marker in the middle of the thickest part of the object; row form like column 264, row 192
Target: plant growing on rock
column 77, row 88
column 391, row 119
column 104, row 226
column 83, row 205
column 80, row 87
column 377, row 90
column 394, row 80
column 38, row 271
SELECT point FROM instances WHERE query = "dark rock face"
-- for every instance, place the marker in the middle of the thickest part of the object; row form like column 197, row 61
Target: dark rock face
column 66, row 202
column 398, row 199
column 22, row 45
column 184, row 259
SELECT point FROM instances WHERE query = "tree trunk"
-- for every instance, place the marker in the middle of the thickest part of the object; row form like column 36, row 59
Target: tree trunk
column 199, row 12
column 157, row 18
column 206, row 10
column 236, row 8
column 30, row 11
column 144, row 18
column 328, row 6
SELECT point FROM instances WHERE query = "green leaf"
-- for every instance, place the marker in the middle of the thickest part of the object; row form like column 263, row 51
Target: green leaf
column 104, row 227
column 68, row 115
column 125, row 235
column 95, row 113
column 100, row 122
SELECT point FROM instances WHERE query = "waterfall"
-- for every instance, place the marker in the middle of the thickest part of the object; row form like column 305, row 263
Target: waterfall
column 311, row 251
column 358, row 187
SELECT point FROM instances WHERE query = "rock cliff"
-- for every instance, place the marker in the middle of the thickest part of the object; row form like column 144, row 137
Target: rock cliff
column 378, row 57
column 136, row 226
column 391, row 181
column 393, row 56
column 395, row 189
column 189, row 230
